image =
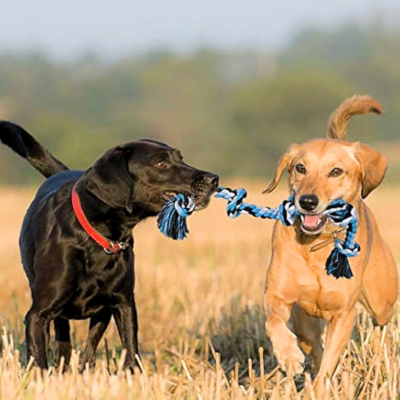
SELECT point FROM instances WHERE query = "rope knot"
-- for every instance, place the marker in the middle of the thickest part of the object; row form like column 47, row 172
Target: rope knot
column 350, row 251
column 172, row 219
column 184, row 205
column 235, row 199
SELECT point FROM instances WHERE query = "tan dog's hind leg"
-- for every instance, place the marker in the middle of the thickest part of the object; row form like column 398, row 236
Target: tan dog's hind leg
column 337, row 336
column 380, row 285
column 379, row 293
column 308, row 330
column 284, row 342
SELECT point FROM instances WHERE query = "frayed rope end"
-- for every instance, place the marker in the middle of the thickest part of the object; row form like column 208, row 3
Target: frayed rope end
column 338, row 265
column 172, row 219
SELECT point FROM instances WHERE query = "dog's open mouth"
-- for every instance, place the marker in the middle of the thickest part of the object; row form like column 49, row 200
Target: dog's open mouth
column 201, row 201
column 312, row 224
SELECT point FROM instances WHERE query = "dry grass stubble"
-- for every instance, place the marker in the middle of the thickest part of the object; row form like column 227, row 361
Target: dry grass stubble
column 200, row 316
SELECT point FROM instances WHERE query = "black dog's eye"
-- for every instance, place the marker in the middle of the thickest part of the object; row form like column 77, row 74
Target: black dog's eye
column 300, row 168
column 336, row 172
column 162, row 165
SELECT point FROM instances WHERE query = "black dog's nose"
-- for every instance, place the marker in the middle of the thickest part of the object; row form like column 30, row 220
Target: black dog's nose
column 308, row 202
column 212, row 179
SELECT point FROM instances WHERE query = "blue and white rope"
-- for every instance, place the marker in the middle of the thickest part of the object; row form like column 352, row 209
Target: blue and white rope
column 172, row 218
column 172, row 222
column 286, row 212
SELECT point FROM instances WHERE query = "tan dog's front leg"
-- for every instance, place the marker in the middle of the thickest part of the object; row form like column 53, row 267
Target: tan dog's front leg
column 284, row 342
column 337, row 335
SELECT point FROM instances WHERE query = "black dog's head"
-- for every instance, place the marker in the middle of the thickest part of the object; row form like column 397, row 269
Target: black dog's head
column 146, row 174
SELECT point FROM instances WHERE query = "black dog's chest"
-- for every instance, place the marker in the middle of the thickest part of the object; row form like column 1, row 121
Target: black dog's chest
column 88, row 300
column 105, row 285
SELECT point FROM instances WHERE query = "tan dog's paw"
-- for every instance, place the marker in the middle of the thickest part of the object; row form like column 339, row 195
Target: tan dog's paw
column 290, row 359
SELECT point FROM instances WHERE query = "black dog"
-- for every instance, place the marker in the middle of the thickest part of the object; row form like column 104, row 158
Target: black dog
column 70, row 275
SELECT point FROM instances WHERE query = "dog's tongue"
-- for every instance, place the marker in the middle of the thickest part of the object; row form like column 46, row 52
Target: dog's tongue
column 311, row 220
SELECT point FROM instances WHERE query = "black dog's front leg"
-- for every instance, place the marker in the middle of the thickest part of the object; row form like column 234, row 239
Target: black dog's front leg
column 98, row 325
column 62, row 346
column 35, row 327
column 125, row 317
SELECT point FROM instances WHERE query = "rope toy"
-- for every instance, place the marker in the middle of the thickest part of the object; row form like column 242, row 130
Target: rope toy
column 172, row 222
column 172, row 219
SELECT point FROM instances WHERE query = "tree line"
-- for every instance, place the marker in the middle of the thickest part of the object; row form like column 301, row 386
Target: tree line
column 230, row 112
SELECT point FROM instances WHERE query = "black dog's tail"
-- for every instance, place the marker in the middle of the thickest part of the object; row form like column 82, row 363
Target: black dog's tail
column 19, row 140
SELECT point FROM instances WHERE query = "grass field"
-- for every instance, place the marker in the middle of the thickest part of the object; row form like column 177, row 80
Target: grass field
column 200, row 316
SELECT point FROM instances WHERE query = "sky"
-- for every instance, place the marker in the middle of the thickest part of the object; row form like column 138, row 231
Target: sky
column 113, row 28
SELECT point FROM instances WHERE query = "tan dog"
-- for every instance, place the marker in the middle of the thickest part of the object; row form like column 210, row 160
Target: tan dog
column 297, row 285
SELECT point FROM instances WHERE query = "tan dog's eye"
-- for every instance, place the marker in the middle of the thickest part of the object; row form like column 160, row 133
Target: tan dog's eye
column 162, row 165
column 336, row 172
column 300, row 168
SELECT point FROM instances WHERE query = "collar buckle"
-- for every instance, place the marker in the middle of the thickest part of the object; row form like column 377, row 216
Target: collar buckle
column 324, row 243
column 115, row 247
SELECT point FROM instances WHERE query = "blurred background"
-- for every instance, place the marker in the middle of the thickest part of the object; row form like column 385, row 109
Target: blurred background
column 231, row 84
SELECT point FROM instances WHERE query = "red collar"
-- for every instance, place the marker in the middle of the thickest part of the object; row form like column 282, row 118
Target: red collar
column 109, row 246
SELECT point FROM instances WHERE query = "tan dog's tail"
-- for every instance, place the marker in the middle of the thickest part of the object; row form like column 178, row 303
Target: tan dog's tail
column 337, row 125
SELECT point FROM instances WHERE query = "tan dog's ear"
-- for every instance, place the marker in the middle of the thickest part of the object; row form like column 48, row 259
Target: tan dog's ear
column 283, row 163
column 373, row 167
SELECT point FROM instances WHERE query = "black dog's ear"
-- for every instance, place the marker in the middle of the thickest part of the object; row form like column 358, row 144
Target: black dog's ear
column 110, row 181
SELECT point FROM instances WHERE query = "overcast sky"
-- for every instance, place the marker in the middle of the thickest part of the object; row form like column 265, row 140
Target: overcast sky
column 66, row 28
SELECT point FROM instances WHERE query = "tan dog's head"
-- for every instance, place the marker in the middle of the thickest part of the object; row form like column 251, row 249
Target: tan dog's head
column 323, row 170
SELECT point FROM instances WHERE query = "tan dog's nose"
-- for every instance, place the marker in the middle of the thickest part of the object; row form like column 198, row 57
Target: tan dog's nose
column 308, row 202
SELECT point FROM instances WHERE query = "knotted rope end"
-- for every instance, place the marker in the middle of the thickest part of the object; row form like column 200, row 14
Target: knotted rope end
column 172, row 219
column 337, row 263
